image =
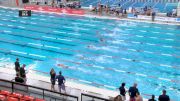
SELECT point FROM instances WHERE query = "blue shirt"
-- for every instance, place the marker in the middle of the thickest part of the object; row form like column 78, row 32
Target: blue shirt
column 61, row 79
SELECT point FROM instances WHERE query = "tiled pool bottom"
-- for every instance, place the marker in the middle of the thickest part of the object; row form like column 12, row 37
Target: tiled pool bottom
column 105, row 52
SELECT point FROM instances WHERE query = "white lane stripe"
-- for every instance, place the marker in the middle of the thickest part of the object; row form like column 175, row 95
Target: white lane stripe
column 6, row 31
column 98, row 66
column 155, row 32
column 52, row 47
column 141, row 74
column 165, row 65
column 5, row 19
column 18, row 52
column 135, row 42
column 164, row 79
column 166, row 54
column 35, row 44
column 84, row 81
column 21, row 27
column 59, row 32
column 120, row 71
column 33, row 23
column 139, row 36
column 13, row 20
column 145, row 62
column 126, row 59
column 170, row 39
column 89, row 24
column 38, row 55
column 131, row 49
column 142, row 31
column 63, row 39
column 49, row 37
column 23, row 21
column 167, row 46
column 169, row 33
column 150, row 44
column 74, row 34
column 110, row 86
column 10, row 25
column 153, row 37
column 148, row 52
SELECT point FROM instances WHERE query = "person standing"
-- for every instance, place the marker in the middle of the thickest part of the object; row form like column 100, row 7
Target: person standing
column 17, row 66
column 61, row 81
column 53, row 78
column 23, row 72
column 164, row 97
column 132, row 92
column 123, row 91
column 152, row 99
column 138, row 97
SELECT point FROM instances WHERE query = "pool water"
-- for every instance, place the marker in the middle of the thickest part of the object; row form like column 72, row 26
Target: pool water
column 100, row 52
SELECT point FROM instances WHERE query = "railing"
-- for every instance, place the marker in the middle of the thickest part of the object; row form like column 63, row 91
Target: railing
column 45, row 93
column 87, row 97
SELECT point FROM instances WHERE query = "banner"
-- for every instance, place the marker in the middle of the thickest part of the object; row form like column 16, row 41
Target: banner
column 55, row 10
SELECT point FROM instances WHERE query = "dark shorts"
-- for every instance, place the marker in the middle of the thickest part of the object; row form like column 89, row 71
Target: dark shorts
column 53, row 81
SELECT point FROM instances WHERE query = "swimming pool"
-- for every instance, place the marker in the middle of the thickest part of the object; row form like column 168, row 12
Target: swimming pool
column 105, row 52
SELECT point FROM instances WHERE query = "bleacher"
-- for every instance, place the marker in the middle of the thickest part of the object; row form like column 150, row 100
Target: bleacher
column 160, row 5
column 13, row 96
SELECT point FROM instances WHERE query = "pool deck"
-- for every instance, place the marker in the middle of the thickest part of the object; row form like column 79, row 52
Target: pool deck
column 72, row 88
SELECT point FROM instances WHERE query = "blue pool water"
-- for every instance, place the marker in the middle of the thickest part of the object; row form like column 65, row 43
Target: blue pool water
column 105, row 52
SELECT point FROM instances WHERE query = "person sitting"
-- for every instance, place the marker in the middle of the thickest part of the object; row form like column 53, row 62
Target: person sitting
column 152, row 99
column 23, row 72
column 19, row 79
column 164, row 97
column 138, row 97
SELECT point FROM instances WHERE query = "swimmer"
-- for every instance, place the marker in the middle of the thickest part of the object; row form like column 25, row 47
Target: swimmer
column 63, row 66
column 90, row 46
column 134, row 60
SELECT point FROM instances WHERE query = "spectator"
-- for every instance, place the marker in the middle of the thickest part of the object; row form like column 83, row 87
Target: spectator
column 53, row 3
column 23, row 72
column 152, row 99
column 19, row 79
column 53, row 78
column 132, row 92
column 164, row 97
column 125, row 12
column 17, row 66
column 123, row 91
column 118, row 98
column 61, row 81
column 138, row 97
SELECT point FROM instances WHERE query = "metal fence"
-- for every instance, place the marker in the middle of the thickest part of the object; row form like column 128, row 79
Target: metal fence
column 36, row 91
